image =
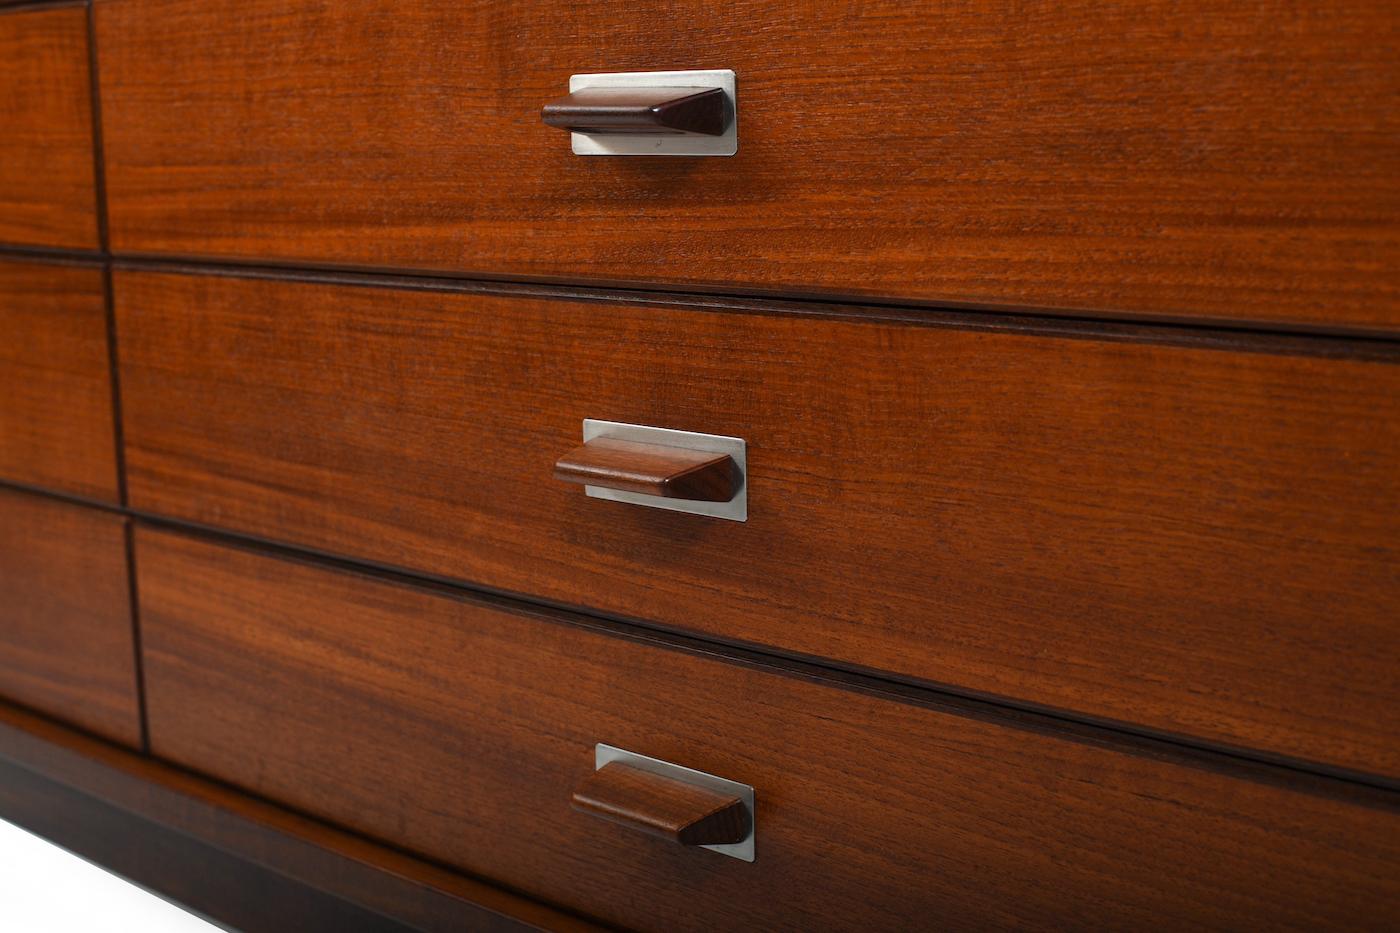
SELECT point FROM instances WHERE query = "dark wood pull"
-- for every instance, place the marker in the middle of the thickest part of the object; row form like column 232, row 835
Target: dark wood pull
column 663, row 806
column 666, row 111
column 651, row 469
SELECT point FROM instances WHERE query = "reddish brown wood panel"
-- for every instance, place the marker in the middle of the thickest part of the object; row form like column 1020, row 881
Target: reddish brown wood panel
column 56, row 418
column 1235, row 161
column 1194, row 540
column 65, row 617
column 461, row 731
column 47, row 193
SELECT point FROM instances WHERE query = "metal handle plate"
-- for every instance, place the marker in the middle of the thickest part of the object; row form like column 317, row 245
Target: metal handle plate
column 722, row 788
column 635, row 126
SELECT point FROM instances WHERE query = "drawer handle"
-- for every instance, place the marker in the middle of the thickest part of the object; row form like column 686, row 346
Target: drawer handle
column 662, row 806
column 649, row 113
column 651, row 470
column 661, row 468
column 665, row 800
column 666, row 111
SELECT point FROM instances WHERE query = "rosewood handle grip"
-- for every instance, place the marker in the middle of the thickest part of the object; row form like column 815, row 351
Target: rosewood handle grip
column 663, row 806
column 644, row 111
column 651, row 469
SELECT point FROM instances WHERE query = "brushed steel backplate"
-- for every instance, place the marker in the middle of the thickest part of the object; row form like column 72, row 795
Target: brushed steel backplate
column 623, row 145
column 735, row 510
column 607, row 754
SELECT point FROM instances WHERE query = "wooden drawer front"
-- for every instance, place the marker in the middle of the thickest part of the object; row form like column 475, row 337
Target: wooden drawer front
column 55, row 380
column 460, row 731
column 1196, row 540
column 65, row 620
column 1235, row 161
column 47, row 194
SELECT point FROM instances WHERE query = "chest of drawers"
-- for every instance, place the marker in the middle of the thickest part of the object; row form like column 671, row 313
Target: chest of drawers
column 1051, row 348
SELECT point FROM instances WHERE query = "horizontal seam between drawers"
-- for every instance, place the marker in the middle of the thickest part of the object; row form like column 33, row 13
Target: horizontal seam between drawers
column 1244, row 337
column 51, row 255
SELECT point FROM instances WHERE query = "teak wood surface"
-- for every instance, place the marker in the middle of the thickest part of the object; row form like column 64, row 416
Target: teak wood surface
column 1183, row 539
column 65, row 614
column 461, row 731
column 47, row 188
column 1223, row 160
column 56, row 419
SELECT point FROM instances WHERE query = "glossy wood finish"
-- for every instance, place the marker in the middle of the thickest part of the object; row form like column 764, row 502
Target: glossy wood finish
column 1223, row 160
column 651, row 469
column 1190, row 540
column 47, row 190
column 65, row 615
column 661, row 806
column 55, row 380
column 460, row 730
column 304, row 874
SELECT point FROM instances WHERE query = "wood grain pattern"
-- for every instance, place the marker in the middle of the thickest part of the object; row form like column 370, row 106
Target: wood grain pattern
column 65, row 620
column 1192, row 540
column 1223, row 160
column 318, row 869
column 664, row 807
column 56, row 425
column 651, row 469
column 47, row 189
column 459, row 731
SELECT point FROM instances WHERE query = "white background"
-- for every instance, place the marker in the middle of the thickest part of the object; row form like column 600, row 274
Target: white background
column 45, row 889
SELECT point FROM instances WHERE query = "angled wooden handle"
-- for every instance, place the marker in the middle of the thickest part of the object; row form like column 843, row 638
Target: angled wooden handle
column 663, row 806
column 651, row 469
column 666, row 111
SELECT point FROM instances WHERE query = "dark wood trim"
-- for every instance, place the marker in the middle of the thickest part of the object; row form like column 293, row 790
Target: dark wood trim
column 1297, row 774
column 99, row 170
column 1380, row 347
column 99, row 177
column 63, row 496
column 1244, row 338
column 240, row 861
column 55, row 255
column 1041, row 321
column 129, row 540
column 114, row 373
column 103, row 240
column 227, row 891
column 22, row 6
